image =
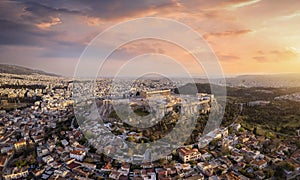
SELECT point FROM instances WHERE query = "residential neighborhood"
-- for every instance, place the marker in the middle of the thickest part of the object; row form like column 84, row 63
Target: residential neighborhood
column 149, row 90
column 44, row 141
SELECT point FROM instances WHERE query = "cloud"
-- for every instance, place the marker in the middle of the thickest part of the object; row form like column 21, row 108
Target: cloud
column 144, row 47
column 228, row 57
column 29, row 24
column 260, row 52
column 93, row 21
column 25, row 22
column 220, row 5
column 241, row 3
column 227, row 33
column 284, row 54
column 294, row 50
column 60, row 28
column 27, row 18
column 18, row 34
column 109, row 10
column 39, row 13
column 276, row 56
column 46, row 25
column 196, row 50
column 103, row 9
column 13, row 33
column 261, row 59
column 290, row 16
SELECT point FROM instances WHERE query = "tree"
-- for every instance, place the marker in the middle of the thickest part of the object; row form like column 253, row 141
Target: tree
column 214, row 142
column 255, row 131
column 238, row 146
column 58, row 143
column 130, row 139
column 298, row 144
column 89, row 134
column 88, row 160
column 269, row 173
column 83, row 140
column 241, row 129
column 193, row 163
column 279, row 170
column 225, row 150
column 172, row 163
column 92, row 149
column 162, row 161
column 21, row 163
column 230, row 130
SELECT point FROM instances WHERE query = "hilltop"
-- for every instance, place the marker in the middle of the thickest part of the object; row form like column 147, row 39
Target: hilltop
column 19, row 70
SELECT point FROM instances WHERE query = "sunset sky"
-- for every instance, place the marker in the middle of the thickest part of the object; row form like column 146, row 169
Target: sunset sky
column 247, row 36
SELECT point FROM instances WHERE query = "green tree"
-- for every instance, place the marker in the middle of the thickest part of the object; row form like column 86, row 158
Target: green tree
column 269, row 173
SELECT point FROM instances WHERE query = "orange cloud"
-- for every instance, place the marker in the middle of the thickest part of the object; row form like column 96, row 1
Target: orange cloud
column 93, row 21
column 228, row 57
column 227, row 33
column 46, row 25
column 145, row 46
column 260, row 58
column 276, row 56
column 241, row 3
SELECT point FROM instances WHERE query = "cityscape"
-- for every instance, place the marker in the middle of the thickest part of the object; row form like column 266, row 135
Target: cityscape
column 149, row 90
column 41, row 138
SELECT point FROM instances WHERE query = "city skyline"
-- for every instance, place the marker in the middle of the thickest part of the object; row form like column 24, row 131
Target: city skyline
column 248, row 37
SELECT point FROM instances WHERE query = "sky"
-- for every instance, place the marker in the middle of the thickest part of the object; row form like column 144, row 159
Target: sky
column 246, row 36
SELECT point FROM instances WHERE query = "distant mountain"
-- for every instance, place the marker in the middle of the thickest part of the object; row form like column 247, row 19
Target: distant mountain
column 283, row 75
column 267, row 80
column 13, row 69
column 258, row 80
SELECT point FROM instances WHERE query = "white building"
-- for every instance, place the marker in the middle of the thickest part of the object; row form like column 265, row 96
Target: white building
column 186, row 154
column 259, row 164
column 77, row 154
column 48, row 159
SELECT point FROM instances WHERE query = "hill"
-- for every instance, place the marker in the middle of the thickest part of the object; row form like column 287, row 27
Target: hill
column 270, row 80
column 14, row 69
